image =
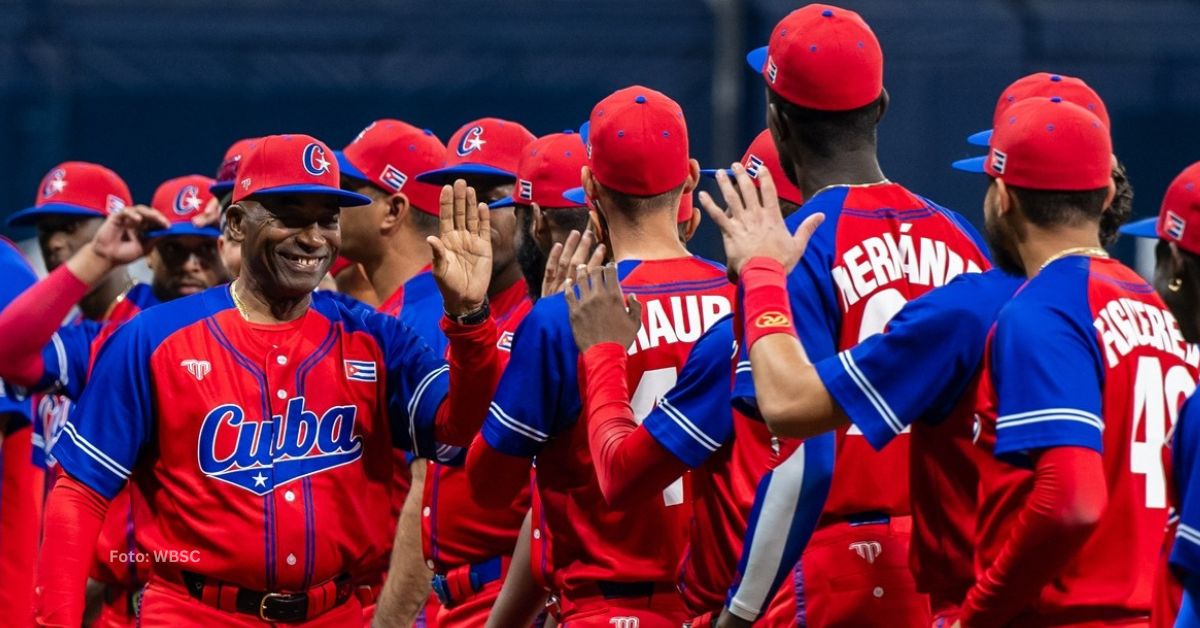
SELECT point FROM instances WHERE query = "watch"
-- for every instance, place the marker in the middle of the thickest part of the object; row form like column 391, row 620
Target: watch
column 475, row 317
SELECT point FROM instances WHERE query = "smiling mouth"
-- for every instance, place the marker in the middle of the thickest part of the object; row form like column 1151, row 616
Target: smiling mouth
column 306, row 263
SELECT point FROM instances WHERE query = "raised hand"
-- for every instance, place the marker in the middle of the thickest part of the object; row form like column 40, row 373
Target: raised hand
column 599, row 312
column 753, row 226
column 121, row 239
column 565, row 257
column 462, row 250
column 210, row 217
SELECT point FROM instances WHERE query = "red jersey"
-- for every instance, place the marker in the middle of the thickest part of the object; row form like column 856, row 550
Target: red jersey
column 579, row 539
column 1108, row 371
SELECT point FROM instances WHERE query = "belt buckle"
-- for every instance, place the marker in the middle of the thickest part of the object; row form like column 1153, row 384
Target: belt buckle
column 262, row 604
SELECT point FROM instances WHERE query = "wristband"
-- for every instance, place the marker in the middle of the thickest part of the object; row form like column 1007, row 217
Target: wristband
column 765, row 306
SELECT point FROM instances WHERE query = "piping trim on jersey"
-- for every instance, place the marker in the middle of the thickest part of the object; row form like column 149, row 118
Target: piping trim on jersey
column 686, row 424
column 64, row 376
column 94, row 452
column 1188, row 533
column 415, row 403
column 864, row 385
column 1049, row 414
column 516, row 425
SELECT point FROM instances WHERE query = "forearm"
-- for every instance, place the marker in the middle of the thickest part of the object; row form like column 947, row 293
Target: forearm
column 630, row 463
column 407, row 587
column 1068, row 498
column 520, row 599
column 74, row 515
column 475, row 368
column 791, row 397
column 29, row 322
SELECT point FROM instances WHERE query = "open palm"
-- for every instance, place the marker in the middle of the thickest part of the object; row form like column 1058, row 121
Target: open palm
column 462, row 250
column 121, row 239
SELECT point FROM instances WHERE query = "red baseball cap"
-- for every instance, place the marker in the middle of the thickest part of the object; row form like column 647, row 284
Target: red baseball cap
column 1180, row 206
column 822, row 57
column 637, row 142
column 1047, row 85
column 487, row 147
column 76, row 188
column 1051, row 144
column 227, row 171
column 388, row 153
column 762, row 154
column 181, row 199
column 550, row 166
column 291, row 164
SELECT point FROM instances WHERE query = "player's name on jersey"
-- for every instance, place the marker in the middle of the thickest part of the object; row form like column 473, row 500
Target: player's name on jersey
column 1126, row 324
column 680, row 318
column 879, row 260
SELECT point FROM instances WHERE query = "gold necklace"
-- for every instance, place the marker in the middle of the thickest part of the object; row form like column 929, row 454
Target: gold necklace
column 237, row 301
column 1090, row 251
column 850, row 185
column 120, row 297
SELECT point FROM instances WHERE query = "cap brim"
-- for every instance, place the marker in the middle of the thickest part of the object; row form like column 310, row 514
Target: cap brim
column 981, row 138
column 583, row 131
column 757, row 58
column 345, row 198
column 347, row 169
column 576, row 196
column 443, row 176
column 973, row 164
column 220, row 188
column 29, row 216
column 507, row 201
column 712, row 172
column 185, row 229
column 1145, row 228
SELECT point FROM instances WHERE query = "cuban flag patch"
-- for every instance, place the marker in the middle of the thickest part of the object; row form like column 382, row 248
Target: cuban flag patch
column 772, row 70
column 525, row 189
column 998, row 160
column 753, row 166
column 1175, row 225
column 393, row 177
column 505, row 341
column 360, row 371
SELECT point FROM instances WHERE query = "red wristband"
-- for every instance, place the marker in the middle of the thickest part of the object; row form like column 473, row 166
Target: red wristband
column 765, row 306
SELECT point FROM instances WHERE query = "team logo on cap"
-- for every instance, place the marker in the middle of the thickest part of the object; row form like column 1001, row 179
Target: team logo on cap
column 187, row 200
column 753, row 166
column 393, row 178
column 998, row 160
column 772, row 69
column 1175, row 225
column 315, row 162
column 114, row 203
column 525, row 189
column 56, row 182
column 471, row 141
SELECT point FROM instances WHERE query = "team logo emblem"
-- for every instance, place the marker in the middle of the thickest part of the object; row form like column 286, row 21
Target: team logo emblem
column 867, row 550
column 625, row 622
column 56, row 182
column 360, row 371
column 114, row 204
column 187, row 201
column 471, row 141
column 505, row 341
column 525, row 189
column 1175, row 225
column 772, row 70
column 363, row 133
column 249, row 454
column 998, row 160
column 753, row 166
column 198, row 368
column 773, row 318
column 315, row 162
column 393, row 178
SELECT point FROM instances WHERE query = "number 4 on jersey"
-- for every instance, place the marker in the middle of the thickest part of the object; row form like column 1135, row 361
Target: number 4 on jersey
column 1156, row 401
column 653, row 386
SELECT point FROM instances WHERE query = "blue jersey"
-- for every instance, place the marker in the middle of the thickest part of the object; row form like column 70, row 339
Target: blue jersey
column 18, row 277
column 880, row 247
column 422, row 310
column 1185, row 555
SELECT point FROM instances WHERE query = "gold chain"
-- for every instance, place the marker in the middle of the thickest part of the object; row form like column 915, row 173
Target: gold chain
column 237, row 302
column 850, row 185
column 1090, row 251
column 120, row 297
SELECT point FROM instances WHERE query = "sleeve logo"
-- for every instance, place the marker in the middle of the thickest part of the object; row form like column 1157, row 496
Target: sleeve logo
column 771, row 319
column 360, row 371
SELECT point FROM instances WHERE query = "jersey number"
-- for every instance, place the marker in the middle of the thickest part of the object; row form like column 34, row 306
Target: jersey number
column 653, row 386
column 877, row 313
column 1156, row 401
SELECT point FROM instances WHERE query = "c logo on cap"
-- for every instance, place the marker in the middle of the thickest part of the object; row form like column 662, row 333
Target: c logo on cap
column 56, row 182
column 187, row 200
column 315, row 162
column 471, row 141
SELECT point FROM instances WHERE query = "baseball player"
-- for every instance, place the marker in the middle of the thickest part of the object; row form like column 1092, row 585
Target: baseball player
column 45, row 358
column 21, row 482
column 691, row 428
column 637, row 169
column 1072, row 406
column 206, row 403
column 879, row 247
column 1174, row 280
column 222, row 190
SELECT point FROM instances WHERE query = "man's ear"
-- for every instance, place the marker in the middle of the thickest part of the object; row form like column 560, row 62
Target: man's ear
column 1112, row 193
column 693, row 178
column 1004, row 198
column 884, row 100
column 235, row 222
column 588, row 181
column 693, row 224
column 398, row 208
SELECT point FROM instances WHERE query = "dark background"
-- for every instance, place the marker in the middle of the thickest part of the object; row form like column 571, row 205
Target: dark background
column 159, row 88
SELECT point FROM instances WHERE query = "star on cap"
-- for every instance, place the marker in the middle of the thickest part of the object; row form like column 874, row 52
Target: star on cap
column 475, row 143
column 191, row 201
